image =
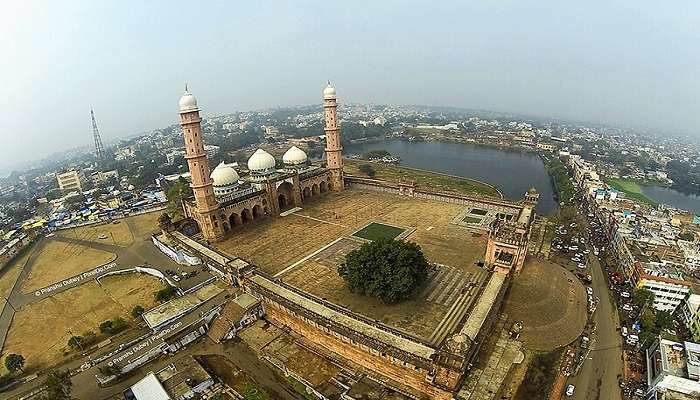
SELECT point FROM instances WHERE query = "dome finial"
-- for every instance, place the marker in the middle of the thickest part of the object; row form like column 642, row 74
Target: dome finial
column 186, row 90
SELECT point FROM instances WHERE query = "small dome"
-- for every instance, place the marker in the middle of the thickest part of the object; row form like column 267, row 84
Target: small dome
column 224, row 175
column 261, row 161
column 188, row 102
column 329, row 92
column 294, row 156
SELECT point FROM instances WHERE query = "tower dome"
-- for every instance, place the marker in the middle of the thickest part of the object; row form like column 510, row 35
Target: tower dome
column 224, row 175
column 261, row 162
column 294, row 156
column 187, row 102
column 329, row 91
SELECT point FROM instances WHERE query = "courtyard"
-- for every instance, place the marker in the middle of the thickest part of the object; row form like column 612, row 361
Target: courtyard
column 305, row 248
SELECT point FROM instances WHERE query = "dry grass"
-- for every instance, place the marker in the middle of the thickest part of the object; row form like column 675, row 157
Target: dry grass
column 144, row 225
column 57, row 261
column 39, row 330
column 116, row 234
column 551, row 302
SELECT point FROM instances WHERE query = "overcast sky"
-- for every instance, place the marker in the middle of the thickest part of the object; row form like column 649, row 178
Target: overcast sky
column 631, row 62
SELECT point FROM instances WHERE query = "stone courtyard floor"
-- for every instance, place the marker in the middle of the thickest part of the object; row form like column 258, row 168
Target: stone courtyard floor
column 305, row 248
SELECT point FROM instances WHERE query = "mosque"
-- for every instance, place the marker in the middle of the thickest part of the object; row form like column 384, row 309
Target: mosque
column 227, row 198
column 230, row 196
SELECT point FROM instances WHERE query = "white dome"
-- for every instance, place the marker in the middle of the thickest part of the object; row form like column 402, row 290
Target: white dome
column 261, row 161
column 224, row 175
column 329, row 92
column 188, row 102
column 294, row 156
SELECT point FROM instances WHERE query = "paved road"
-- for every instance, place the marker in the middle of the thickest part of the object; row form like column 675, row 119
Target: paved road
column 598, row 377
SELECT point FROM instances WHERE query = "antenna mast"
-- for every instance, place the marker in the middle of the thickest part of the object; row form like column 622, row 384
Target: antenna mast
column 99, row 150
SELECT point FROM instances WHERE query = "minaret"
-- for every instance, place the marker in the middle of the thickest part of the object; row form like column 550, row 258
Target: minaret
column 207, row 206
column 334, row 150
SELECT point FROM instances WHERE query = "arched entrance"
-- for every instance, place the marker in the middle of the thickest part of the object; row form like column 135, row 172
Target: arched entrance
column 257, row 211
column 246, row 216
column 284, row 204
column 314, row 189
column 323, row 186
column 306, row 194
column 234, row 220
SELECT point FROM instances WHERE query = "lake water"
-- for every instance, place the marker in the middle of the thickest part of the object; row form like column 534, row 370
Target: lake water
column 512, row 173
column 673, row 197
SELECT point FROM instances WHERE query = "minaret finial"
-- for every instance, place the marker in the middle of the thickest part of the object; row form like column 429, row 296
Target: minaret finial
column 186, row 88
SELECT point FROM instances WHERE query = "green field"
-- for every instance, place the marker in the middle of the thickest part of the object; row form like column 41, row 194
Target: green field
column 376, row 231
column 631, row 189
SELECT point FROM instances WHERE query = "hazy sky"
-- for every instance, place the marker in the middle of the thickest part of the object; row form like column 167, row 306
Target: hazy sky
column 631, row 62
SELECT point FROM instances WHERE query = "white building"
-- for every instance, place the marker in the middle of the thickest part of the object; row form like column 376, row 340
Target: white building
column 667, row 284
column 673, row 367
column 689, row 314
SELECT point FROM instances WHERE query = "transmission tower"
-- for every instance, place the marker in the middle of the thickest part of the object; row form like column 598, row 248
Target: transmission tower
column 99, row 150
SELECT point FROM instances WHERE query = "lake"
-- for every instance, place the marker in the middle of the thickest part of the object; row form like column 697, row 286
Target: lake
column 673, row 198
column 513, row 173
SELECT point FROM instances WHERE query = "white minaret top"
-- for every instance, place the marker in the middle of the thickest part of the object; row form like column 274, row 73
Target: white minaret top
column 188, row 102
column 329, row 91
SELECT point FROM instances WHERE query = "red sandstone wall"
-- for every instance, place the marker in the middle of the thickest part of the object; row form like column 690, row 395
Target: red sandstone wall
column 408, row 376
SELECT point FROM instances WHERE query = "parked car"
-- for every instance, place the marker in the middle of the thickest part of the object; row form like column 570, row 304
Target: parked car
column 570, row 390
column 627, row 307
column 589, row 290
column 625, row 295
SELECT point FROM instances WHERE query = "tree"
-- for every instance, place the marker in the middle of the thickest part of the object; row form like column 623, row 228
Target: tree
column 58, row 386
column 648, row 321
column 175, row 194
column 642, row 296
column 106, row 327
column 75, row 342
column 664, row 320
column 137, row 311
column 14, row 362
column 166, row 294
column 367, row 170
column 390, row 270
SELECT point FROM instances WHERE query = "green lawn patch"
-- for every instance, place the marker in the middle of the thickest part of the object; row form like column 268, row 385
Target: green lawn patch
column 631, row 189
column 376, row 231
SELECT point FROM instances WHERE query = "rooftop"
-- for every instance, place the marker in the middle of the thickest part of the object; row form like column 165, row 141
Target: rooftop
column 176, row 307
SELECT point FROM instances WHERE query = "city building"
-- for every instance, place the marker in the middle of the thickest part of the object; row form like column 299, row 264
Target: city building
column 181, row 380
column 71, row 180
column 99, row 177
column 673, row 370
column 689, row 314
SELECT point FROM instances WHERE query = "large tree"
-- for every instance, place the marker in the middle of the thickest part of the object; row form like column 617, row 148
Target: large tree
column 390, row 270
column 14, row 362
column 58, row 386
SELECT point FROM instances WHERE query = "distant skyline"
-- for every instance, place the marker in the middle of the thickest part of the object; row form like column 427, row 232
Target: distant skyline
column 620, row 63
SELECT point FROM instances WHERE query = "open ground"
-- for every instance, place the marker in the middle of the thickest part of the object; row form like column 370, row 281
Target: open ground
column 551, row 303
column 306, row 247
column 39, row 329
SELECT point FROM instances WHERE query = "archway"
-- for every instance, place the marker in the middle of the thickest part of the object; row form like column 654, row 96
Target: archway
column 330, row 184
column 246, row 216
column 257, row 211
column 234, row 220
column 323, row 186
column 306, row 194
column 314, row 189
column 284, row 204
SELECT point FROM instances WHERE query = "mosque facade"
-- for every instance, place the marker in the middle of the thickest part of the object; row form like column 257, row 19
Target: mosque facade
column 226, row 197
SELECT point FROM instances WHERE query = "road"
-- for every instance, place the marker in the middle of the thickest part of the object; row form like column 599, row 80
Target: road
column 598, row 377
